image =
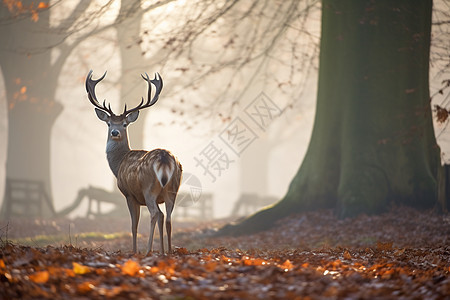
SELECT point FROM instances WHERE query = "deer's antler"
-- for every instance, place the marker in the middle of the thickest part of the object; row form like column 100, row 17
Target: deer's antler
column 158, row 83
column 90, row 88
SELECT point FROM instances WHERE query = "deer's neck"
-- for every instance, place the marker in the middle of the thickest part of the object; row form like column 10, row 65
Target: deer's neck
column 115, row 152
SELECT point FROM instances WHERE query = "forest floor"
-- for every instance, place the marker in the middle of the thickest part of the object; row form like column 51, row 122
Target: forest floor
column 402, row 254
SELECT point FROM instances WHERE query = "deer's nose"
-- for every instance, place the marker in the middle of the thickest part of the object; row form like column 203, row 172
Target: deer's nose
column 115, row 133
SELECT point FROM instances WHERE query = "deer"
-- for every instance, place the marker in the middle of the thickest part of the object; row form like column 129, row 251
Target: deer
column 145, row 178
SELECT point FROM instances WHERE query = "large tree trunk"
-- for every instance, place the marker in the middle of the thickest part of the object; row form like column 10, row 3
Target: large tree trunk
column 31, row 73
column 30, row 88
column 373, row 142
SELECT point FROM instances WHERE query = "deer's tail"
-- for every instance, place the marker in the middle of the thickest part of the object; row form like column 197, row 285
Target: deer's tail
column 164, row 167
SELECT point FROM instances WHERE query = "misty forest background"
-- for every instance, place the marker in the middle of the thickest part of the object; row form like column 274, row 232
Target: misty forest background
column 360, row 120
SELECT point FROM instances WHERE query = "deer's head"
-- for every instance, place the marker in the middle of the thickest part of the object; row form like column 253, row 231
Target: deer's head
column 117, row 124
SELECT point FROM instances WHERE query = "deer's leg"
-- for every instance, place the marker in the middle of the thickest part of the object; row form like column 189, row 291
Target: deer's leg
column 170, row 201
column 161, row 229
column 135, row 212
column 156, row 215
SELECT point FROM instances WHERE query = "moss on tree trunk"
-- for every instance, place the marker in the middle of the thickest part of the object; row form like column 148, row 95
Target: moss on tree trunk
column 373, row 142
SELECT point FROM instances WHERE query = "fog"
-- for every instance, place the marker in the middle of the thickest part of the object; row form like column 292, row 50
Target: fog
column 78, row 138
column 79, row 143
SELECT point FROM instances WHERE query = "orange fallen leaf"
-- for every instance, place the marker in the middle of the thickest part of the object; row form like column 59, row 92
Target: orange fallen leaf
column 85, row 287
column 336, row 264
column 347, row 255
column 225, row 259
column 80, row 269
column 255, row 262
column 130, row 267
column 40, row 277
column 167, row 266
column 287, row 265
column 2, row 264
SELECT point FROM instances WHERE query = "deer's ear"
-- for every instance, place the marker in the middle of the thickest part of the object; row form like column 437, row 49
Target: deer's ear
column 102, row 115
column 133, row 116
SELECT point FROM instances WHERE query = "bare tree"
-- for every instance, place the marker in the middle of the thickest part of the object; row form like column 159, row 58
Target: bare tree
column 31, row 77
column 33, row 51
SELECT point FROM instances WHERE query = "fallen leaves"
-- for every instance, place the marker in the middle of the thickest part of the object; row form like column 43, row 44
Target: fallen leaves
column 40, row 277
column 220, row 273
column 130, row 268
column 287, row 265
column 313, row 255
column 79, row 269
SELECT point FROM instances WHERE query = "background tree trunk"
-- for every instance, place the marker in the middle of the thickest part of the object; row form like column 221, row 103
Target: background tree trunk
column 30, row 90
column 373, row 142
column 128, row 34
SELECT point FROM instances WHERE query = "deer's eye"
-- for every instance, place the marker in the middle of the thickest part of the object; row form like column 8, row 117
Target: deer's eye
column 125, row 124
column 109, row 124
